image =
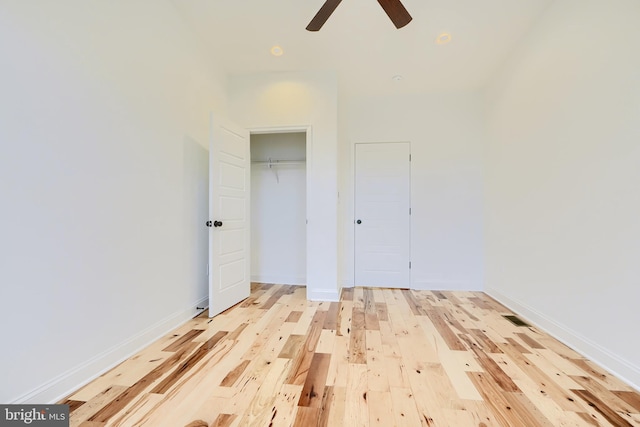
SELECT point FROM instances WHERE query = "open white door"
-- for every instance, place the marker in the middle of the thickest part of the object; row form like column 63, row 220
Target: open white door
column 229, row 240
column 382, row 214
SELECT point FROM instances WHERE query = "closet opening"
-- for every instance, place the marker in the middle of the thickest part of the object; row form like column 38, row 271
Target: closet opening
column 279, row 207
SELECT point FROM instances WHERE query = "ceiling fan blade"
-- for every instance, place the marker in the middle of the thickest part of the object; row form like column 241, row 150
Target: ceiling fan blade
column 396, row 11
column 323, row 14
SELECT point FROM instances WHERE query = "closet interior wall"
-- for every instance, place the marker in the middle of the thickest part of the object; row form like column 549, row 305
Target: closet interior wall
column 278, row 208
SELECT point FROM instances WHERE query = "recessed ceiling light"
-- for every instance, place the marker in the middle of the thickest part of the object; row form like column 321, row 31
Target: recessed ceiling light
column 443, row 38
column 276, row 51
column 397, row 77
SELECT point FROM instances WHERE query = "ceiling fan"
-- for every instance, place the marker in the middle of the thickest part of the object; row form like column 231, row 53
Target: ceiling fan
column 394, row 8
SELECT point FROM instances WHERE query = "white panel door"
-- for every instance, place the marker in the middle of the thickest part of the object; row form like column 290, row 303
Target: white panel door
column 382, row 214
column 229, row 240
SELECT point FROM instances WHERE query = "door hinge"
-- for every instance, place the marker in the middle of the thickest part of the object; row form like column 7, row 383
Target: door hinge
column 409, row 211
column 409, row 157
column 409, row 265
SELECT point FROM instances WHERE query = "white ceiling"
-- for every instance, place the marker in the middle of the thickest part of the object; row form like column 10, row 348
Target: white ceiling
column 361, row 44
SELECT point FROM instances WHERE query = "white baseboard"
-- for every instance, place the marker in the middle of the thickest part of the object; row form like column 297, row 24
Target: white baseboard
column 66, row 383
column 330, row 295
column 621, row 368
column 440, row 285
column 280, row 280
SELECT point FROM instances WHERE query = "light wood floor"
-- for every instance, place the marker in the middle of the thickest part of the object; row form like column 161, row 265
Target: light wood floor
column 380, row 357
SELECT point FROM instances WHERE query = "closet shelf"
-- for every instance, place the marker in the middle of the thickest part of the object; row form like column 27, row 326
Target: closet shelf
column 272, row 162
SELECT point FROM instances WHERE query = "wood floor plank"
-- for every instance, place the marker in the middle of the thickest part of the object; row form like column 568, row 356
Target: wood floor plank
column 175, row 407
column 369, row 300
column 358, row 298
column 281, row 291
column 306, row 416
column 632, row 398
column 73, row 404
column 517, row 346
column 396, row 372
column 546, row 385
column 314, row 385
column 404, row 407
column 302, row 326
column 188, row 337
column 231, row 378
column 377, row 378
column 328, row 406
column 417, row 344
column 224, row 420
column 445, row 331
column 529, row 341
column 377, row 357
column 284, row 411
column 588, row 419
column 381, row 312
column 302, row 361
column 124, row 398
column 294, row 316
column 414, row 304
column 607, row 396
column 492, row 303
column 600, row 375
column 261, row 408
column 357, row 345
column 370, row 311
column 380, row 408
column 481, row 413
column 128, row 372
column 526, row 410
column 292, row 346
column 136, row 412
column 188, row 364
column 356, row 404
column 487, row 345
column 337, row 375
column 497, row 401
column 331, row 319
column 492, row 368
column 612, row 416
column 551, row 371
column 344, row 318
column 326, row 342
column 429, row 400
column 480, row 303
column 455, row 370
column 86, row 411
column 270, row 324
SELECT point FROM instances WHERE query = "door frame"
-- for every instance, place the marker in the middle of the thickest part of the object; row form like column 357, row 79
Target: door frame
column 307, row 130
column 352, row 211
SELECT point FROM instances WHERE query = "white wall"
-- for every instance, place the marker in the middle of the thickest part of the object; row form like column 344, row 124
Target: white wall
column 104, row 118
column 563, row 175
column 446, row 132
column 278, row 209
column 294, row 100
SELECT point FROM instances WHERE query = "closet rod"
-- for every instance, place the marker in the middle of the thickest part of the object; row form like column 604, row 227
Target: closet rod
column 279, row 162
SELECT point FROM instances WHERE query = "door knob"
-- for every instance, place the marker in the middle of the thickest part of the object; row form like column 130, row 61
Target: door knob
column 358, row 222
column 217, row 223
column 208, row 223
